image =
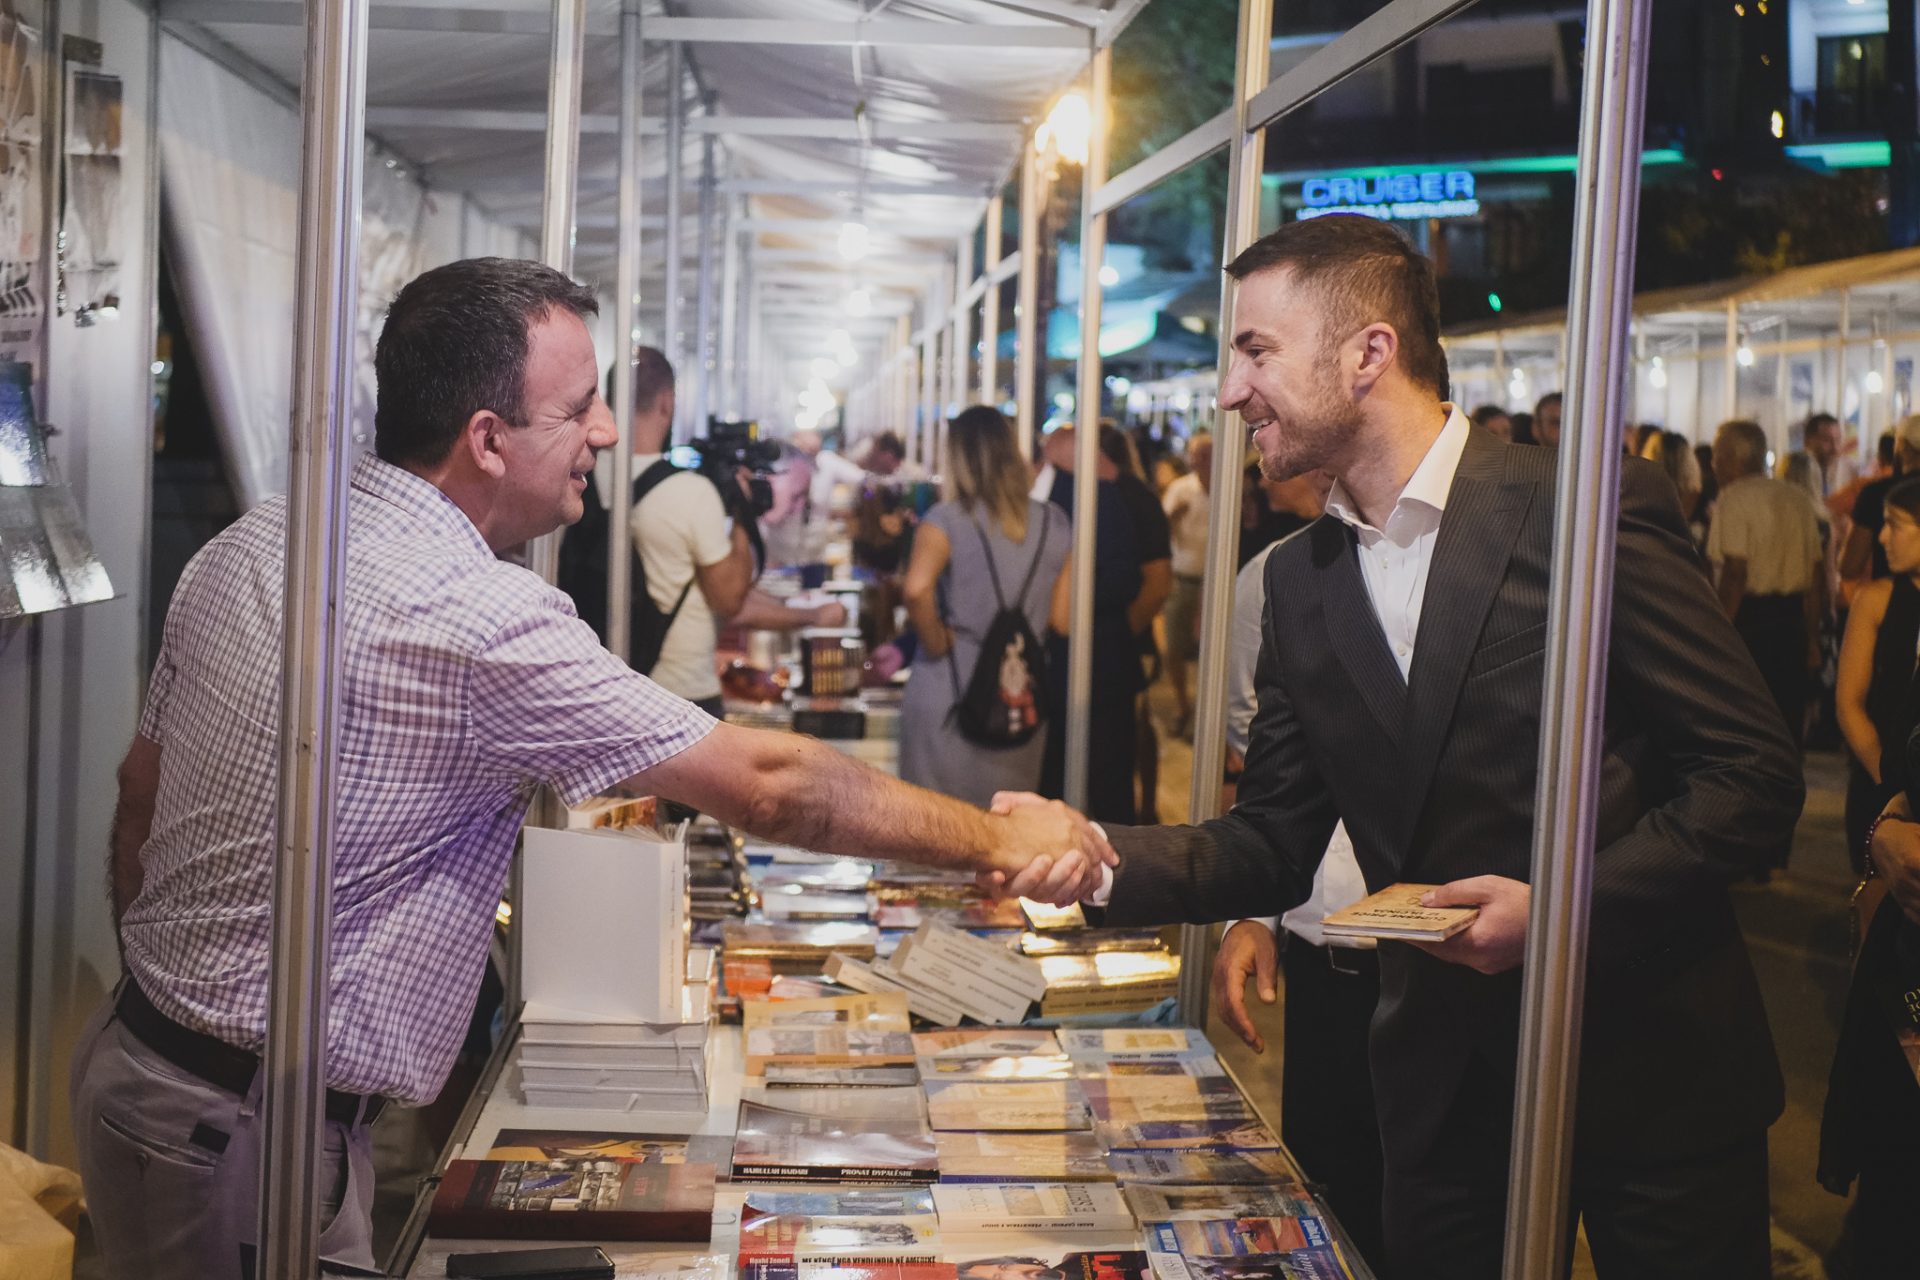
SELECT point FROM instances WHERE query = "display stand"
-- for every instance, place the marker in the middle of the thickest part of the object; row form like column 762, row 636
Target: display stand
column 493, row 1108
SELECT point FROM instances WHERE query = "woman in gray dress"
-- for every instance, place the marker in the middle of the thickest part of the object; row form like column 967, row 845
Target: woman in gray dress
column 951, row 601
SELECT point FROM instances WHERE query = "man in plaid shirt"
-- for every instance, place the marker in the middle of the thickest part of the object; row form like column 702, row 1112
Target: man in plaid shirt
column 467, row 684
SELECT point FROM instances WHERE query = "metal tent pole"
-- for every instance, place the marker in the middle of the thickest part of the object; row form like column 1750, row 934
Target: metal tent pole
column 1731, row 376
column 670, row 329
column 703, row 339
column 960, row 354
column 557, row 191
column 901, row 409
column 1027, row 328
column 1086, row 444
column 1579, row 613
column 1244, row 159
column 626, row 306
column 333, row 130
column 990, row 307
column 732, row 302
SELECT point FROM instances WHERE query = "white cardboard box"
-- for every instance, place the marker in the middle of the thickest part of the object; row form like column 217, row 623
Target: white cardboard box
column 604, row 915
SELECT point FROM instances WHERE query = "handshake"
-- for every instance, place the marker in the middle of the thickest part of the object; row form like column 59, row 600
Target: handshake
column 1048, row 852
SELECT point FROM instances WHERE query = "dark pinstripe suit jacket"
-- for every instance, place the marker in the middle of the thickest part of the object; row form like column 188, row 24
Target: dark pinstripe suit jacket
column 1435, row 779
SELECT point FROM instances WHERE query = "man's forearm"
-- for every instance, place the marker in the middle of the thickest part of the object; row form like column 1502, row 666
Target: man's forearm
column 762, row 610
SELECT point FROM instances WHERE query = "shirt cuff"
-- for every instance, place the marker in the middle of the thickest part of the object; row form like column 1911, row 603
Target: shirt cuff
column 1272, row 923
column 1100, row 896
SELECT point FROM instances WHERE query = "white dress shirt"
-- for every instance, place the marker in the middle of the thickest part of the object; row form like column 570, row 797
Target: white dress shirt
column 1394, row 558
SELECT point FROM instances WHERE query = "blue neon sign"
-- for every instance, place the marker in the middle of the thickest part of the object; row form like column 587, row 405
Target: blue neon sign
column 1435, row 193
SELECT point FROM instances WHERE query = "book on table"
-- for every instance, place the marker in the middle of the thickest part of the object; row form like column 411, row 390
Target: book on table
column 1166, row 1202
column 600, row 1144
column 988, row 1069
column 1021, row 1157
column 986, row 1042
column 885, row 1011
column 1190, row 1135
column 783, row 1144
column 1201, row 1168
column 1099, row 1256
column 573, row 1200
column 1134, row 1044
column 968, row 1209
column 1046, row 1105
column 1395, row 915
column 810, row 1046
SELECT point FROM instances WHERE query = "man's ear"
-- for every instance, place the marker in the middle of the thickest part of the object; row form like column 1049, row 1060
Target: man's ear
column 484, row 439
column 1374, row 349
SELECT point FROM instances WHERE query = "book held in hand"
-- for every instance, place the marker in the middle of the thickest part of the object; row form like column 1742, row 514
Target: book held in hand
column 1395, row 915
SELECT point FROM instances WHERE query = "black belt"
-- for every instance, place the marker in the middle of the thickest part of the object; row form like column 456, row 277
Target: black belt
column 219, row 1063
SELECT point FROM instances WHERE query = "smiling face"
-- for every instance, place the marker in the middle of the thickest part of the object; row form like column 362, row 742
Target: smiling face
column 547, row 461
column 1289, row 379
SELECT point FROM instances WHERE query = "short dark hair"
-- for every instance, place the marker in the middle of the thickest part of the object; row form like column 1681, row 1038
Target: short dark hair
column 1364, row 271
column 455, row 342
column 1487, row 413
column 889, row 442
column 1819, row 420
column 652, row 377
column 1551, row 398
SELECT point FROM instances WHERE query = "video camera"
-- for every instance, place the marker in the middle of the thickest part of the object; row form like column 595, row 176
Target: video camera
column 729, row 447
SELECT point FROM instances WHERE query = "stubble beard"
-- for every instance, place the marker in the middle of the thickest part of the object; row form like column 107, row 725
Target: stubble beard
column 1313, row 438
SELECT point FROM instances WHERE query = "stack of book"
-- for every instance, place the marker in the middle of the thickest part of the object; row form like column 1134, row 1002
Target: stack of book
column 834, row 1135
column 610, row 1064
column 718, row 887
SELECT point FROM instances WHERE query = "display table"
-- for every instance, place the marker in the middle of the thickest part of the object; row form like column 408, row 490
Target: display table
column 494, row 1107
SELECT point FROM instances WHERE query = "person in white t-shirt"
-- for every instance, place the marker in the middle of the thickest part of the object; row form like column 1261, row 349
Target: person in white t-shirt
column 1187, row 502
column 685, row 538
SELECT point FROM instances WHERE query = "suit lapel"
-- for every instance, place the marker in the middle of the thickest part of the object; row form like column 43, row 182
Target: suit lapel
column 1353, row 629
column 1482, row 521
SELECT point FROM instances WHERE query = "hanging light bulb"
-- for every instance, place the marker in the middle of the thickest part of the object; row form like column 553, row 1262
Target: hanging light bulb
column 1873, row 382
column 853, row 240
column 1068, row 129
column 859, row 303
column 1657, row 375
column 1744, row 355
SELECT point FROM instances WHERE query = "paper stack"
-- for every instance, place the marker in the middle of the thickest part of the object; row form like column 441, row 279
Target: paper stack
column 608, row 1065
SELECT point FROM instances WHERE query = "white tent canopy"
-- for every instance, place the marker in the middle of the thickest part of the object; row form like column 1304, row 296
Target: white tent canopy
column 903, row 115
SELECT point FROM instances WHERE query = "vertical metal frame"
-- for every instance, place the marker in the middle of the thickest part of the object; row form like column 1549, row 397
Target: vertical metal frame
column 990, row 303
column 562, row 162
column 1579, row 614
column 673, row 322
column 1029, row 333
column 327, row 287
column 1086, row 444
column 1244, row 162
column 704, row 317
column 960, row 344
column 626, row 308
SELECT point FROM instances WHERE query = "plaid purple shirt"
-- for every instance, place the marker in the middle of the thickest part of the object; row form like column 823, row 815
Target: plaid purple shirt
column 467, row 683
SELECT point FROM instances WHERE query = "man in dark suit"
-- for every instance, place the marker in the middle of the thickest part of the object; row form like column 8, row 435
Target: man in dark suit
column 1399, row 689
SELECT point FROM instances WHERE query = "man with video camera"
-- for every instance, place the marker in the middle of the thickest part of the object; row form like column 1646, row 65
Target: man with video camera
column 694, row 531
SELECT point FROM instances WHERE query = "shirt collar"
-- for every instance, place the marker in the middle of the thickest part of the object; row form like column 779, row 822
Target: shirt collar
column 1429, row 483
column 418, row 498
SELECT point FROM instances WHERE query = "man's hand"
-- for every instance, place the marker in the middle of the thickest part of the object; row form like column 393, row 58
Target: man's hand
column 830, row 614
column 1497, row 940
column 1053, row 854
column 1896, row 855
column 1248, row 950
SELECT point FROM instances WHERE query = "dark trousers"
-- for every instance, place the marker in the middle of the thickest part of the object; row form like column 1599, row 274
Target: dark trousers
column 1686, row 1218
column 1775, row 631
column 1880, row 1225
column 1326, row 1085
column 1109, row 761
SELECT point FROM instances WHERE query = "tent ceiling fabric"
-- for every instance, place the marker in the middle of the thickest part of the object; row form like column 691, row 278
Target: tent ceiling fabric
column 898, row 86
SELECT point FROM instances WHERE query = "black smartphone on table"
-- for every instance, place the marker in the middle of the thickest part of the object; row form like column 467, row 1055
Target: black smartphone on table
column 579, row 1262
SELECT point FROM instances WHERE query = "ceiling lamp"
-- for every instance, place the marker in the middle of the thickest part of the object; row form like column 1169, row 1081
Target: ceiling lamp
column 853, row 240
column 1068, row 129
column 859, row 303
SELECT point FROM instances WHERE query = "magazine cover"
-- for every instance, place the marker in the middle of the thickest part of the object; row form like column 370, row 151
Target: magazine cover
column 986, row 1042
column 1024, row 1068
column 1201, row 1168
column 1037, row 1258
column 775, row 1144
column 1136, row 1043
column 1190, row 1135
column 1167, row 1202
column 1022, row 1157
column 1040, row 1104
